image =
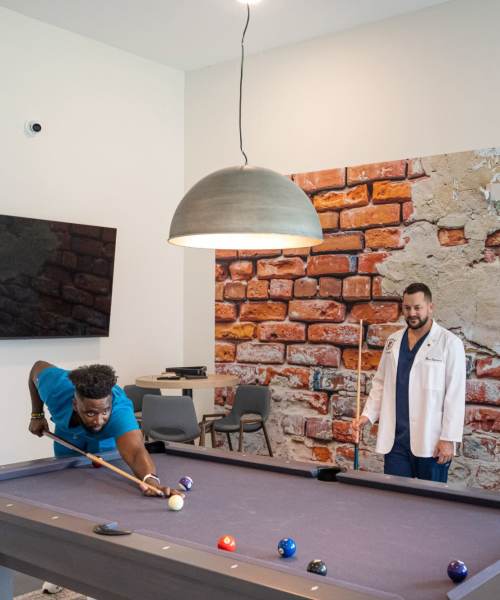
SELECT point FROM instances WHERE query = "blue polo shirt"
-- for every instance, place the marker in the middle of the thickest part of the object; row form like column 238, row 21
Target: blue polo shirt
column 405, row 363
column 57, row 393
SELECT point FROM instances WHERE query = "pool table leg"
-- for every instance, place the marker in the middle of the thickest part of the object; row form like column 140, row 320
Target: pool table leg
column 6, row 583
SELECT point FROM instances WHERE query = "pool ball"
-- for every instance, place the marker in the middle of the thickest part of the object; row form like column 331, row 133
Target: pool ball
column 96, row 465
column 286, row 547
column 457, row 571
column 227, row 542
column 175, row 502
column 186, row 483
column 317, row 567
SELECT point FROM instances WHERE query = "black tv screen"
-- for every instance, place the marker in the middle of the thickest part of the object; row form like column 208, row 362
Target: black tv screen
column 56, row 278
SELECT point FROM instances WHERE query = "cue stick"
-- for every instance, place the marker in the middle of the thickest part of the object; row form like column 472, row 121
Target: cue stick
column 358, row 396
column 101, row 461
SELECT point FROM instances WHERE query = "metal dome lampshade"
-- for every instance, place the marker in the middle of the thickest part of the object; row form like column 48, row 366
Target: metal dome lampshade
column 245, row 207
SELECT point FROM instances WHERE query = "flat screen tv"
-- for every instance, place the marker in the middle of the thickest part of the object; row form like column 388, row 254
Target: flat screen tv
column 56, row 278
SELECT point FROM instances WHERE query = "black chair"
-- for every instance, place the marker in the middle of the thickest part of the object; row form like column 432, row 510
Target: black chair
column 136, row 394
column 249, row 414
column 171, row 419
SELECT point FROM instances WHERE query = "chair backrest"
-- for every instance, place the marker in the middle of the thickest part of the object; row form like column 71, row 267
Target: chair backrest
column 254, row 399
column 176, row 412
column 136, row 394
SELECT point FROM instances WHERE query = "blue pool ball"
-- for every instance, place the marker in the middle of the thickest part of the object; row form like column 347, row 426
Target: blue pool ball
column 186, row 483
column 457, row 571
column 286, row 547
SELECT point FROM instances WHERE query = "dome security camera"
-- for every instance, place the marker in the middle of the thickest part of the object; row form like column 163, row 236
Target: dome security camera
column 32, row 127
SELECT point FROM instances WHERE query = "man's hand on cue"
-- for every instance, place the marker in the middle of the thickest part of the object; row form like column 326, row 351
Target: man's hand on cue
column 443, row 452
column 162, row 491
column 38, row 425
column 358, row 425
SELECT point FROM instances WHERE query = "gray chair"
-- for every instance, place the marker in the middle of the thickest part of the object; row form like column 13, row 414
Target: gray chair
column 171, row 419
column 249, row 414
column 136, row 394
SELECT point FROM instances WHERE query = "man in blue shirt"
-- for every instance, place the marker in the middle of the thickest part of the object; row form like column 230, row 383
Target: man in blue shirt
column 92, row 412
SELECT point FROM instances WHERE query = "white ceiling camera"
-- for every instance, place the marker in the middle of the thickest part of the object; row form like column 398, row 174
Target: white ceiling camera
column 32, row 128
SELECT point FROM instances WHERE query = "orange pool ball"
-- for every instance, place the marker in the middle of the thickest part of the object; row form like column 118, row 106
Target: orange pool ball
column 227, row 542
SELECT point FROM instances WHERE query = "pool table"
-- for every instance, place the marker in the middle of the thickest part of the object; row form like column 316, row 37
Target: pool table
column 380, row 536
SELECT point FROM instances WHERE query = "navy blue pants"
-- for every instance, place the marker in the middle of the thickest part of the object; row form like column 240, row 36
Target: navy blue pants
column 400, row 461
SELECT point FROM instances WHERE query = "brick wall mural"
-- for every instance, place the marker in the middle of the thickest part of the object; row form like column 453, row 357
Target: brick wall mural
column 290, row 319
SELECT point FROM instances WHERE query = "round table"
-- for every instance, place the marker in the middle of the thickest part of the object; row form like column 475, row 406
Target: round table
column 187, row 385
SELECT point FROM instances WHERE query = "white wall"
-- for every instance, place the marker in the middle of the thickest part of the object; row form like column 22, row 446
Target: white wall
column 111, row 153
column 419, row 84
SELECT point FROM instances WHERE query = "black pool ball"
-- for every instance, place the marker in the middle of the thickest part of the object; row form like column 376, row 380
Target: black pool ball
column 457, row 571
column 317, row 567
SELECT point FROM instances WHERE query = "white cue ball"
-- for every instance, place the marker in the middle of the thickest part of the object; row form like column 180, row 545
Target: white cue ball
column 175, row 502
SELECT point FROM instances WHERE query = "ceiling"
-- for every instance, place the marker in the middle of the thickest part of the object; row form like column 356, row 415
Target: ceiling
column 190, row 34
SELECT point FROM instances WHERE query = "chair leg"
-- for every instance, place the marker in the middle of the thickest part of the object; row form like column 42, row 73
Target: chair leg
column 240, row 440
column 202, row 436
column 268, row 442
column 229, row 441
column 212, row 433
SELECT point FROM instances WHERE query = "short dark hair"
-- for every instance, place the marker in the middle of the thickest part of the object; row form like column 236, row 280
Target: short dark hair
column 93, row 381
column 414, row 288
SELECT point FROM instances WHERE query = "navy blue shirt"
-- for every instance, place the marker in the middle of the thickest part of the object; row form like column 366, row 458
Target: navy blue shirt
column 405, row 363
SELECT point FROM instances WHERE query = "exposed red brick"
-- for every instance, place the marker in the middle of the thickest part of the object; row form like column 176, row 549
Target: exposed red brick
column 281, row 332
column 253, row 352
column 357, row 287
column 318, row 401
column 377, row 334
column 375, row 312
column 258, row 253
column 415, row 168
column 307, row 354
column 407, row 211
column 493, row 239
column 490, row 255
column 235, row 331
column 340, row 242
column 296, row 251
column 383, row 237
column 219, row 291
column 316, row 310
column 263, row 311
column 329, row 220
column 483, row 392
column 225, row 352
column 346, row 452
column 321, row 454
column 258, row 289
column 377, row 291
column 283, row 268
column 320, row 180
column 225, row 311
column 357, row 196
column 369, row 358
column 293, row 424
column 235, row 290
column 220, row 272
column 370, row 216
column 488, row 367
column 281, row 289
column 331, row 264
column 226, row 254
column 451, row 237
column 391, row 191
column 294, row 377
column 385, row 170
column 367, row 263
column 305, row 287
column 241, row 270
column 247, row 374
column 341, row 335
column 319, row 429
column 342, row 431
column 483, row 418
column 330, row 287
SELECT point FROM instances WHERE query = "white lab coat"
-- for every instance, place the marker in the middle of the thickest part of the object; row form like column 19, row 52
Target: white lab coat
column 436, row 392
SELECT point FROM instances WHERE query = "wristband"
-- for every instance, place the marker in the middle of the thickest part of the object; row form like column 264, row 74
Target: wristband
column 151, row 476
column 38, row 415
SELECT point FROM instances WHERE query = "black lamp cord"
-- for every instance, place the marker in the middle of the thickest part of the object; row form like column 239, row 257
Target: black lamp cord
column 241, row 81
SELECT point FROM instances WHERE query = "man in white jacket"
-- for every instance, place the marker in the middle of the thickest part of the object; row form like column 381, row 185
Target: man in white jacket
column 418, row 394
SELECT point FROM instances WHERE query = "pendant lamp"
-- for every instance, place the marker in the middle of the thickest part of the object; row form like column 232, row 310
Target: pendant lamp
column 245, row 207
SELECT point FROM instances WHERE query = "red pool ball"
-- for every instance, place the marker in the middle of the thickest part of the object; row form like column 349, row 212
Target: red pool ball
column 227, row 542
column 96, row 465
